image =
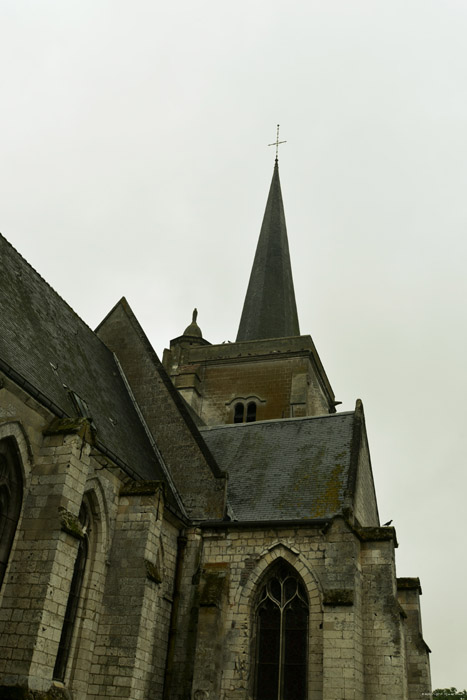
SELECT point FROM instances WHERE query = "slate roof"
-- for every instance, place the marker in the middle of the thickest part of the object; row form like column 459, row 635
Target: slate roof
column 285, row 469
column 45, row 346
column 270, row 310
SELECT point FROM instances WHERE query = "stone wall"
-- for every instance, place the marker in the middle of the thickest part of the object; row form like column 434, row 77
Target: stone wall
column 135, row 615
column 197, row 478
column 383, row 620
column 35, row 590
column 364, row 502
column 120, row 636
column 418, row 667
column 167, row 610
column 356, row 643
column 283, row 377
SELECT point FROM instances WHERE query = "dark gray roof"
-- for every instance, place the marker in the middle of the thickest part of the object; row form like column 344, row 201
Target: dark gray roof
column 270, row 310
column 285, row 469
column 46, row 347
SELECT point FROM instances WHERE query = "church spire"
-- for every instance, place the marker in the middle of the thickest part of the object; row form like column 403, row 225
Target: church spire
column 270, row 310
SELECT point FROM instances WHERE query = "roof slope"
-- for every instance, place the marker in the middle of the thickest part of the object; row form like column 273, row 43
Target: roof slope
column 270, row 310
column 286, row 469
column 50, row 350
column 193, row 470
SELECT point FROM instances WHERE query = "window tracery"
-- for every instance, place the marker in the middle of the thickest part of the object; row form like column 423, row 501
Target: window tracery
column 281, row 636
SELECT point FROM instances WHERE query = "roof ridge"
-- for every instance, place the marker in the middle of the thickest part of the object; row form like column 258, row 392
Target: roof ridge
column 33, row 269
column 41, row 326
column 203, row 428
column 173, row 392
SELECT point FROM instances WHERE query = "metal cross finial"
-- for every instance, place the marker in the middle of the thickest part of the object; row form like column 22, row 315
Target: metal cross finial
column 277, row 143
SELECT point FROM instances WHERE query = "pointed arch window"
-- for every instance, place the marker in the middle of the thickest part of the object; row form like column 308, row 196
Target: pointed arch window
column 11, row 498
column 281, row 637
column 73, row 597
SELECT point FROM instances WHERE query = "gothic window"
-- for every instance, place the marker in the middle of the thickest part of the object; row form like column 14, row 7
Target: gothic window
column 239, row 413
column 11, row 497
column 281, row 637
column 251, row 412
column 73, row 597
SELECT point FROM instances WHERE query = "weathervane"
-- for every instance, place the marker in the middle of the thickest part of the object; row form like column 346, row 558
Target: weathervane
column 277, row 143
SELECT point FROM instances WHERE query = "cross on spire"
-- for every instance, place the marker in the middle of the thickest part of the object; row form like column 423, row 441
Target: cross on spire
column 276, row 143
column 270, row 310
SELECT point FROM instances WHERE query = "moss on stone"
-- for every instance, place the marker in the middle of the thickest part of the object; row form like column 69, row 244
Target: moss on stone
column 214, row 581
column 70, row 523
column 152, row 571
column 16, row 692
column 409, row 584
column 70, row 426
column 141, row 488
column 376, row 534
column 338, row 596
column 329, row 502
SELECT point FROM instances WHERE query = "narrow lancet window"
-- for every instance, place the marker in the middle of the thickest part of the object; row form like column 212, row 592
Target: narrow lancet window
column 73, row 598
column 281, row 635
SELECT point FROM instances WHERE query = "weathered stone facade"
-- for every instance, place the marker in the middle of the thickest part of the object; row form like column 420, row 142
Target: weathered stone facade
column 120, row 635
column 150, row 512
column 284, row 377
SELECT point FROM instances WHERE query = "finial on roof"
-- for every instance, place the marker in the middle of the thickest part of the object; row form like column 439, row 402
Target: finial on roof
column 277, row 143
column 193, row 329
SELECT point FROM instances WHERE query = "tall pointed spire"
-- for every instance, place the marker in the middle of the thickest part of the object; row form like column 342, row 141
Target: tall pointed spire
column 270, row 310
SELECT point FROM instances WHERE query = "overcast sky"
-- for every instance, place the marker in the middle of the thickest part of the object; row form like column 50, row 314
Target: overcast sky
column 134, row 161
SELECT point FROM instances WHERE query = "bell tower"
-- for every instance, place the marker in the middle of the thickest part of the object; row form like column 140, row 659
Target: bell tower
column 271, row 371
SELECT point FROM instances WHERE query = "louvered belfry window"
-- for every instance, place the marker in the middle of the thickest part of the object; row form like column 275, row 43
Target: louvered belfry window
column 281, row 635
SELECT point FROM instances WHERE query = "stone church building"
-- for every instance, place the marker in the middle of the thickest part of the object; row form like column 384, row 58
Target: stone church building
column 201, row 528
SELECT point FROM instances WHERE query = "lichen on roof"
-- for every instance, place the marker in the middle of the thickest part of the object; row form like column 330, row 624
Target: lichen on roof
column 285, row 469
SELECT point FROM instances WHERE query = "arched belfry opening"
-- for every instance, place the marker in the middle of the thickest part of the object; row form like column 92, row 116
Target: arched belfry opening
column 11, row 498
column 223, row 383
column 281, row 621
column 239, row 412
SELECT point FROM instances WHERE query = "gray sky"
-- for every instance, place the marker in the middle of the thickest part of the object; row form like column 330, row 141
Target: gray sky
column 134, row 161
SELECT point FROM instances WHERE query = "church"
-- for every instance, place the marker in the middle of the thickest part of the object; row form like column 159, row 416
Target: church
column 201, row 528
